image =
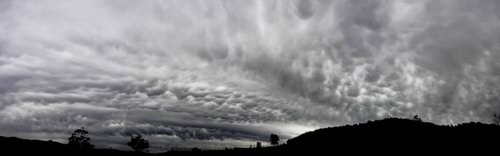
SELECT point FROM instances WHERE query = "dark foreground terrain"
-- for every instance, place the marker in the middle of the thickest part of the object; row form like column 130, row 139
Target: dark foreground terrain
column 388, row 136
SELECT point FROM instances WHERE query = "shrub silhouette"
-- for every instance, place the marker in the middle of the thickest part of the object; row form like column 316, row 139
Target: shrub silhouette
column 274, row 139
column 138, row 143
column 417, row 118
column 195, row 149
column 259, row 145
column 80, row 140
column 496, row 119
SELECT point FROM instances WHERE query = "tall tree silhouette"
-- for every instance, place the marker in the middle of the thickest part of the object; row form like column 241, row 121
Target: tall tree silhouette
column 80, row 140
column 138, row 143
column 275, row 139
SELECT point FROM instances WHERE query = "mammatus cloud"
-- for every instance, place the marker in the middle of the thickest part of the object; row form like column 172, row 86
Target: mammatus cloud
column 229, row 73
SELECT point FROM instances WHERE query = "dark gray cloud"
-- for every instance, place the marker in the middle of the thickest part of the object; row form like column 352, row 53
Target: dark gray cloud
column 228, row 73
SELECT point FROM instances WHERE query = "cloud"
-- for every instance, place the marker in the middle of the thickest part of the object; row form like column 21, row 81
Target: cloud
column 198, row 72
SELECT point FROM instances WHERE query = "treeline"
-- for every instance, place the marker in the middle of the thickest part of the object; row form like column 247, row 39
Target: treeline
column 79, row 140
column 378, row 137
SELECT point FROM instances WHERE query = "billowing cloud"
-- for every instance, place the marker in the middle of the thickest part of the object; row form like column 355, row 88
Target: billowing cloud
column 228, row 73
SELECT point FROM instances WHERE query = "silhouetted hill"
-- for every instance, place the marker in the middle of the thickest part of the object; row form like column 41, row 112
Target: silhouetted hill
column 400, row 134
column 387, row 136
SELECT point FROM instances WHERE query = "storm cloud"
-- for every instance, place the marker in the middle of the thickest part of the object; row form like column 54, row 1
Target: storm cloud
column 228, row 73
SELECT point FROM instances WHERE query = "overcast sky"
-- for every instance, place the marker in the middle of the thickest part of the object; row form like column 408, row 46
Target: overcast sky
column 213, row 74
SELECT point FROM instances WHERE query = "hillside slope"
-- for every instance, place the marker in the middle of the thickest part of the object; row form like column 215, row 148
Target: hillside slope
column 401, row 134
column 387, row 136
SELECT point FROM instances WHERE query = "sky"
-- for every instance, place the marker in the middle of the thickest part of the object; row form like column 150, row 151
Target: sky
column 228, row 73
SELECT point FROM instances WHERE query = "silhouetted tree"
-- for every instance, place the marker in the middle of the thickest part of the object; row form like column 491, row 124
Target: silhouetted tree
column 417, row 118
column 80, row 140
column 195, row 149
column 138, row 143
column 259, row 145
column 496, row 119
column 275, row 139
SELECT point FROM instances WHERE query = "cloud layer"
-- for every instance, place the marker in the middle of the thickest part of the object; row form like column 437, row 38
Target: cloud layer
column 229, row 73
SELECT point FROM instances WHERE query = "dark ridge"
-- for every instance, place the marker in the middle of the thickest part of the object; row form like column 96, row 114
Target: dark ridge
column 400, row 134
column 387, row 136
